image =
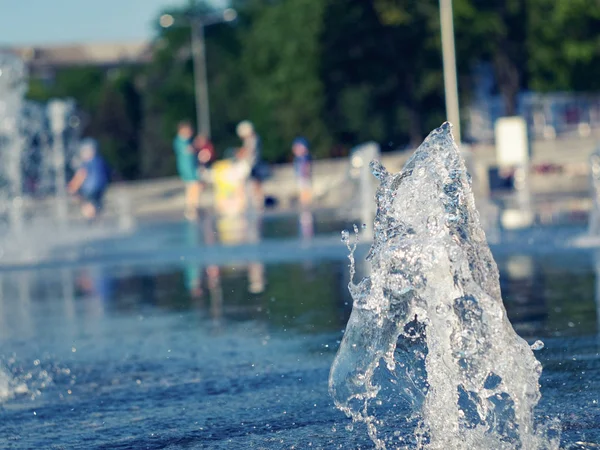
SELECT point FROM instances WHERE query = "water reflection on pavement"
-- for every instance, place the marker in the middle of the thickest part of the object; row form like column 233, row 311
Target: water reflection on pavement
column 199, row 355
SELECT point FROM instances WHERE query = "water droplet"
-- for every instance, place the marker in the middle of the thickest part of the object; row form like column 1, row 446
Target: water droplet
column 454, row 254
column 442, row 309
column 537, row 345
column 378, row 170
column 350, row 427
column 451, row 219
column 432, row 224
column 345, row 236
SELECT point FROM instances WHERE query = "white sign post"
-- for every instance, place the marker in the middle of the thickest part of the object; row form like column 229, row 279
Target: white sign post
column 512, row 152
column 512, row 147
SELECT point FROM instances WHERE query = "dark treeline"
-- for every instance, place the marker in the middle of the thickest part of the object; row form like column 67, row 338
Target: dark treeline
column 337, row 71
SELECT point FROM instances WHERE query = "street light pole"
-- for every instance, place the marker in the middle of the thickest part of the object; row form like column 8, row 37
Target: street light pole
column 449, row 60
column 197, row 23
column 200, row 78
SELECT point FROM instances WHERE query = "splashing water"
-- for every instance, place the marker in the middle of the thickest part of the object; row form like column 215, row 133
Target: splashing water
column 429, row 358
column 9, row 386
column 5, row 388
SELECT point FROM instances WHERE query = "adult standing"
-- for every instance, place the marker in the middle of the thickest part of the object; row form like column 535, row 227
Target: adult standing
column 250, row 153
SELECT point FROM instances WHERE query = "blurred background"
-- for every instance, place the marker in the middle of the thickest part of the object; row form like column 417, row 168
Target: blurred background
column 340, row 71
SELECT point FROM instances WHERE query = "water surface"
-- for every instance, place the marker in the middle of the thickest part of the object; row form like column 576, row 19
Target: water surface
column 199, row 356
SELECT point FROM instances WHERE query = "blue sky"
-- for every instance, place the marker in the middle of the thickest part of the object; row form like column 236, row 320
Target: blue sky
column 69, row 21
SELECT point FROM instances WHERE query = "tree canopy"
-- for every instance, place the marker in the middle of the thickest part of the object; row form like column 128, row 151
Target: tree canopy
column 338, row 72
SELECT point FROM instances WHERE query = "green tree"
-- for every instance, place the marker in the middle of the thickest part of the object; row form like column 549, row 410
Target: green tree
column 168, row 97
column 382, row 69
column 495, row 31
column 285, row 93
column 83, row 84
column 564, row 45
column 116, row 123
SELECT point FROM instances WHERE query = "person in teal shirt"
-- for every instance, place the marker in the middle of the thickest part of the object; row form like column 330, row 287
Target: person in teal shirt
column 187, row 162
column 187, row 167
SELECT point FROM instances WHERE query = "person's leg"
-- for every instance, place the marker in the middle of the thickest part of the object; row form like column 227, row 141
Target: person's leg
column 259, row 197
column 192, row 194
column 89, row 205
column 305, row 188
column 256, row 278
column 188, row 195
column 88, row 210
column 306, row 197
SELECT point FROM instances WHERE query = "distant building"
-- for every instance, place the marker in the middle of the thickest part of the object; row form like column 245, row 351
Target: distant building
column 548, row 115
column 44, row 60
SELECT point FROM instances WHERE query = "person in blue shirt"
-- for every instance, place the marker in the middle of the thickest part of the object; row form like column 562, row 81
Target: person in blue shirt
column 91, row 179
column 187, row 167
column 303, row 169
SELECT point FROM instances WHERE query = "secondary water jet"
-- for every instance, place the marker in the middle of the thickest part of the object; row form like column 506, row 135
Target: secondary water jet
column 429, row 358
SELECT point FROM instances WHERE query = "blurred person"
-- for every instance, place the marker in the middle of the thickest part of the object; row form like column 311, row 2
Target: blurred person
column 96, row 282
column 244, row 229
column 91, row 179
column 256, row 278
column 192, row 273
column 206, row 155
column 187, row 167
column 303, row 169
column 230, row 177
column 307, row 225
column 250, row 153
column 213, row 272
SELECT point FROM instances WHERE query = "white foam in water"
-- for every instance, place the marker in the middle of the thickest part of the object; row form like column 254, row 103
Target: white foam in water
column 9, row 387
column 429, row 358
column 5, row 389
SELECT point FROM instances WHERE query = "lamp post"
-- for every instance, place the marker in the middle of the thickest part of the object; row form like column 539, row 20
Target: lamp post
column 449, row 59
column 479, row 171
column 197, row 23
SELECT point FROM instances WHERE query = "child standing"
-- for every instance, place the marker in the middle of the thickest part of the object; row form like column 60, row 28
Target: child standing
column 303, row 169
